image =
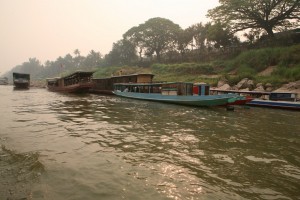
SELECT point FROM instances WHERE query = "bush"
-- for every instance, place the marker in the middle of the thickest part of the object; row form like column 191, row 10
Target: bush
column 291, row 74
column 184, row 68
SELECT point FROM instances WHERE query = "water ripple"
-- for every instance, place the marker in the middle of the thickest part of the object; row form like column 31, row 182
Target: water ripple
column 104, row 146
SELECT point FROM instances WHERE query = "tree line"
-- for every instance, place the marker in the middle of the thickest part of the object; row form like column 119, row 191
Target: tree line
column 163, row 41
column 61, row 66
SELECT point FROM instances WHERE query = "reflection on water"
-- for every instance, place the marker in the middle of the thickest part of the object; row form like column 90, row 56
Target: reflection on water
column 92, row 146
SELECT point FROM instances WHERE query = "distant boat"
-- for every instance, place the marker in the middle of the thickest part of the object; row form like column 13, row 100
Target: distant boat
column 284, row 100
column 76, row 82
column 21, row 81
column 174, row 92
column 3, row 81
column 275, row 104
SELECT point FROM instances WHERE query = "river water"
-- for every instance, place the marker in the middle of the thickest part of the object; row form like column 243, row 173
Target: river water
column 66, row 146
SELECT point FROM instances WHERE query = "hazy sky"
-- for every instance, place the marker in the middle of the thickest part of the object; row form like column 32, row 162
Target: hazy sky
column 47, row 29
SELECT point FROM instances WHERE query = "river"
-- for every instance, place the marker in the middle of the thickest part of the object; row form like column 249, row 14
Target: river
column 66, row 146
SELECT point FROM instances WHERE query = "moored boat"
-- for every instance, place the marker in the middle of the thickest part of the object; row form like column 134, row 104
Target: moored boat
column 174, row 92
column 275, row 104
column 105, row 85
column 21, row 80
column 283, row 100
column 4, row 81
column 242, row 99
column 77, row 82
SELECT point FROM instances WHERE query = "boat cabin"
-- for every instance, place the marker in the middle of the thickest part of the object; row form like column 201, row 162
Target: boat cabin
column 72, row 79
column 283, row 96
column 177, row 88
column 79, row 81
column 106, row 85
column 173, row 88
column 201, row 89
column 52, row 82
column 21, row 80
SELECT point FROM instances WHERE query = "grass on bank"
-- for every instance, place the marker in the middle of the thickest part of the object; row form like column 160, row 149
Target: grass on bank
column 247, row 64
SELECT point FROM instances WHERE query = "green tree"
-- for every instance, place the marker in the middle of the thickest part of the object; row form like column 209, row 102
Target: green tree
column 269, row 15
column 154, row 36
column 123, row 52
column 200, row 34
column 77, row 52
column 68, row 62
column 185, row 39
column 220, row 36
column 93, row 59
column 135, row 37
column 78, row 58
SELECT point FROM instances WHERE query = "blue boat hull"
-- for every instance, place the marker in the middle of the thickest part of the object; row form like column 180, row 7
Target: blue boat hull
column 275, row 104
column 209, row 100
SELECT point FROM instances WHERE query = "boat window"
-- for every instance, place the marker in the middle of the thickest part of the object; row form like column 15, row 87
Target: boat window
column 281, row 96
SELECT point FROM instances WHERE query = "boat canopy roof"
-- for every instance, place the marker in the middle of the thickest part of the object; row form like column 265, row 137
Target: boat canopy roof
column 21, row 75
column 131, row 75
column 150, row 84
column 73, row 75
column 79, row 74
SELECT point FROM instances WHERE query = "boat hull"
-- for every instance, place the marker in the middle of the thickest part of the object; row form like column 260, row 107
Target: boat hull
column 275, row 104
column 205, row 101
column 241, row 101
column 21, row 81
column 21, row 85
column 76, row 88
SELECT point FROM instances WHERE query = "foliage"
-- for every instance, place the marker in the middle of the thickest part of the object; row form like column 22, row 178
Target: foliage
column 194, row 54
column 156, row 35
column 59, row 67
column 123, row 52
column 290, row 55
column 269, row 15
column 291, row 74
column 246, row 65
column 184, row 68
column 258, row 60
column 221, row 36
column 104, row 72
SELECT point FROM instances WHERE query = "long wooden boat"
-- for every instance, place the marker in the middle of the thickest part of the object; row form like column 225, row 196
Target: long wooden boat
column 175, row 92
column 21, row 80
column 275, row 104
column 283, row 100
column 76, row 82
